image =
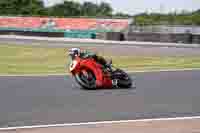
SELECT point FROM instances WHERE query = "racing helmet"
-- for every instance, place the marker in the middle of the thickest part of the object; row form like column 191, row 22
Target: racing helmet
column 74, row 52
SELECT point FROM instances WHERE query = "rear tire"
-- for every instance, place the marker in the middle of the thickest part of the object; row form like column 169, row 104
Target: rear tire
column 124, row 80
column 125, row 83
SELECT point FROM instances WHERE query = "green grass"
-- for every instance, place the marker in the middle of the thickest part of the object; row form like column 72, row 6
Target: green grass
column 40, row 60
column 157, row 63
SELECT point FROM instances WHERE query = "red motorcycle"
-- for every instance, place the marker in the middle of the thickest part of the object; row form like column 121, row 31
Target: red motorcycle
column 91, row 75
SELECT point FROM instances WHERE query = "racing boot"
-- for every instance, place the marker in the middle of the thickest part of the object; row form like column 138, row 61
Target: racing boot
column 115, row 83
column 108, row 66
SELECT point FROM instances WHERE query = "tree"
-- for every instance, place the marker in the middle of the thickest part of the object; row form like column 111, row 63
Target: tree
column 89, row 9
column 121, row 14
column 183, row 18
column 21, row 7
column 68, row 8
column 65, row 9
column 105, row 9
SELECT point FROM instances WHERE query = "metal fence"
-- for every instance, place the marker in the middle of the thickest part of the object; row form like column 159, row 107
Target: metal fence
column 166, row 29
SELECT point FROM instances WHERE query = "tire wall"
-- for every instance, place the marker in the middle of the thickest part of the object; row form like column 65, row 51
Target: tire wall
column 30, row 33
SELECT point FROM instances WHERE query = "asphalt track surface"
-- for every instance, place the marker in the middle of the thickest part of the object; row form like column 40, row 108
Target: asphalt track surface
column 127, row 50
column 26, row 101
column 87, row 42
column 66, row 42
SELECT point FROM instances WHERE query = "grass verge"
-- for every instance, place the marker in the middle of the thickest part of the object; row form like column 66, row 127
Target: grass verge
column 40, row 60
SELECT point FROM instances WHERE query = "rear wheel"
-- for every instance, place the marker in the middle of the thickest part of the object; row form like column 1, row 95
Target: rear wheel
column 124, row 80
column 86, row 79
column 125, row 83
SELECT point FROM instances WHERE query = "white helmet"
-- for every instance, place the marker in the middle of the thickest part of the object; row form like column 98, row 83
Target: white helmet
column 74, row 51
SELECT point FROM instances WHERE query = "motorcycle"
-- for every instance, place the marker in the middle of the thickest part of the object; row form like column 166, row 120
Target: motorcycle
column 91, row 75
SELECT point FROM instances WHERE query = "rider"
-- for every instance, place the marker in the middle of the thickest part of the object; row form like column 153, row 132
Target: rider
column 73, row 52
column 86, row 54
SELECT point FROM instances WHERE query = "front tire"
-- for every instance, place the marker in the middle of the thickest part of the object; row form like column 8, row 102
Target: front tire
column 91, row 85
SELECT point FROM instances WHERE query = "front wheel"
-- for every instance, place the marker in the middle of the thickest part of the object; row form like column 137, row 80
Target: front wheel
column 86, row 79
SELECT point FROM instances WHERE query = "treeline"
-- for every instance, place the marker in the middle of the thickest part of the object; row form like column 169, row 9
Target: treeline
column 66, row 9
column 90, row 9
column 184, row 18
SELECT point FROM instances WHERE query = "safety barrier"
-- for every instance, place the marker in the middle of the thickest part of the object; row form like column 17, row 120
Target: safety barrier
column 52, row 32
column 163, row 37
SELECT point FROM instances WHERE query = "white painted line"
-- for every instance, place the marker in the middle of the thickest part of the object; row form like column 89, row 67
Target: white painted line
column 165, row 70
column 100, row 122
column 67, row 74
column 35, row 75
